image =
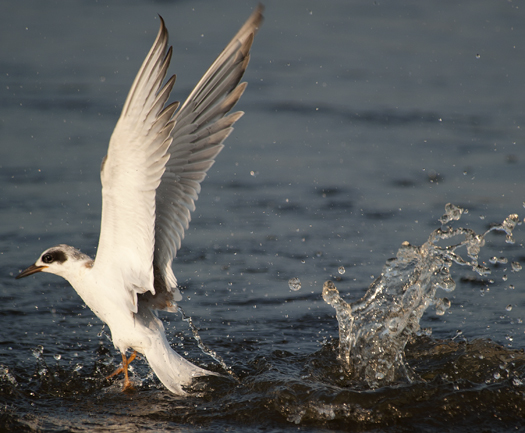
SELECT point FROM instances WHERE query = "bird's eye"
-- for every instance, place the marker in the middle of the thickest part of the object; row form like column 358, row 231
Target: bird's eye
column 47, row 258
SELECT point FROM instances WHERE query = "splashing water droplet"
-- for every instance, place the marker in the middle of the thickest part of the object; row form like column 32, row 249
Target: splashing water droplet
column 452, row 213
column 442, row 305
column 6, row 374
column 516, row 266
column 341, row 270
column 205, row 349
column 500, row 260
column 508, row 307
column 37, row 352
column 294, row 284
column 508, row 225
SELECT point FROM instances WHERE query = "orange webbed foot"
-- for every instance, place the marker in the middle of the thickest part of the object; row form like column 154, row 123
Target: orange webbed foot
column 128, row 386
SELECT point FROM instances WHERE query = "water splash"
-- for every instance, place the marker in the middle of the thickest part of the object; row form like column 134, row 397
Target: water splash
column 374, row 331
column 38, row 351
column 294, row 284
column 452, row 213
column 7, row 375
column 205, row 349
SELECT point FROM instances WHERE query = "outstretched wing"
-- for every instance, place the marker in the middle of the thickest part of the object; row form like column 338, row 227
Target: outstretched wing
column 201, row 125
column 155, row 162
column 131, row 173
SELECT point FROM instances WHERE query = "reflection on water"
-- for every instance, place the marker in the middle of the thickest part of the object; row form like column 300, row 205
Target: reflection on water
column 374, row 331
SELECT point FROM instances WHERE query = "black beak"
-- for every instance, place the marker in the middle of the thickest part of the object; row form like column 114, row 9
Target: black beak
column 33, row 269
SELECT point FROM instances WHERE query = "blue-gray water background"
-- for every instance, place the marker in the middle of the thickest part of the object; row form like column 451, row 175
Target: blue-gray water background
column 363, row 119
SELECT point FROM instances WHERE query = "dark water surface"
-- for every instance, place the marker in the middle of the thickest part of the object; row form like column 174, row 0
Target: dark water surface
column 363, row 119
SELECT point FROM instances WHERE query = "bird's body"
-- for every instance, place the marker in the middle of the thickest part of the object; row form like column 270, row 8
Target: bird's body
column 151, row 177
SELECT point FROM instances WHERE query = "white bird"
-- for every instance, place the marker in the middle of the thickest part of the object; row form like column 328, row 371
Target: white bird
column 151, row 175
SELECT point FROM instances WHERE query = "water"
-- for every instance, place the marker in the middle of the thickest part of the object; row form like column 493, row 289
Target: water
column 362, row 121
column 374, row 331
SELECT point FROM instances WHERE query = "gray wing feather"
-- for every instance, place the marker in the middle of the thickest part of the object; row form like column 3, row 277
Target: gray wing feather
column 200, row 127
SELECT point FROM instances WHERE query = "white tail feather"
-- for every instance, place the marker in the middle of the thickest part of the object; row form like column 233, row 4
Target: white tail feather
column 171, row 368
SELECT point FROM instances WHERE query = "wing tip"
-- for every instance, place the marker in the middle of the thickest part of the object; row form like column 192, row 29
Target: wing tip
column 258, row 15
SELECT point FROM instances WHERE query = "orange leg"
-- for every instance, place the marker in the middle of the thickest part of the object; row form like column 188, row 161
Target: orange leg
column 124, row 368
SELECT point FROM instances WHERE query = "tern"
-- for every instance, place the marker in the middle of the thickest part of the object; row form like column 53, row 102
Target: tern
column 158, row 155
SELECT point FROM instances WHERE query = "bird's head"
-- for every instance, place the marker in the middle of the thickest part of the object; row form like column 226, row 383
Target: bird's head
column 61, row 260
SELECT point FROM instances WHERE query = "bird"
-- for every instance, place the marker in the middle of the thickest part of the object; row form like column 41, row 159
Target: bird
column 158, row 155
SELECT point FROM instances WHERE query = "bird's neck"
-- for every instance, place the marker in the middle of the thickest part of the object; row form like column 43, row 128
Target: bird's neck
column 77, row 274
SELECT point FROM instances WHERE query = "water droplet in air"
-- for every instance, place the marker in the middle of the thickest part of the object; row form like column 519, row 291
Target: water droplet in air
column 341, row 270
column 516, row 266
column 452, row 213
column 442, row 305
column 508, row 307
column 502, row 260
column 57, row 357
column 447, row 284
column 294, row 284
column 37, row 352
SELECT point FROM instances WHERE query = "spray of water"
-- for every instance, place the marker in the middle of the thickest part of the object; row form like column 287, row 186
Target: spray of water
column 374, row 331
column 205, row 349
